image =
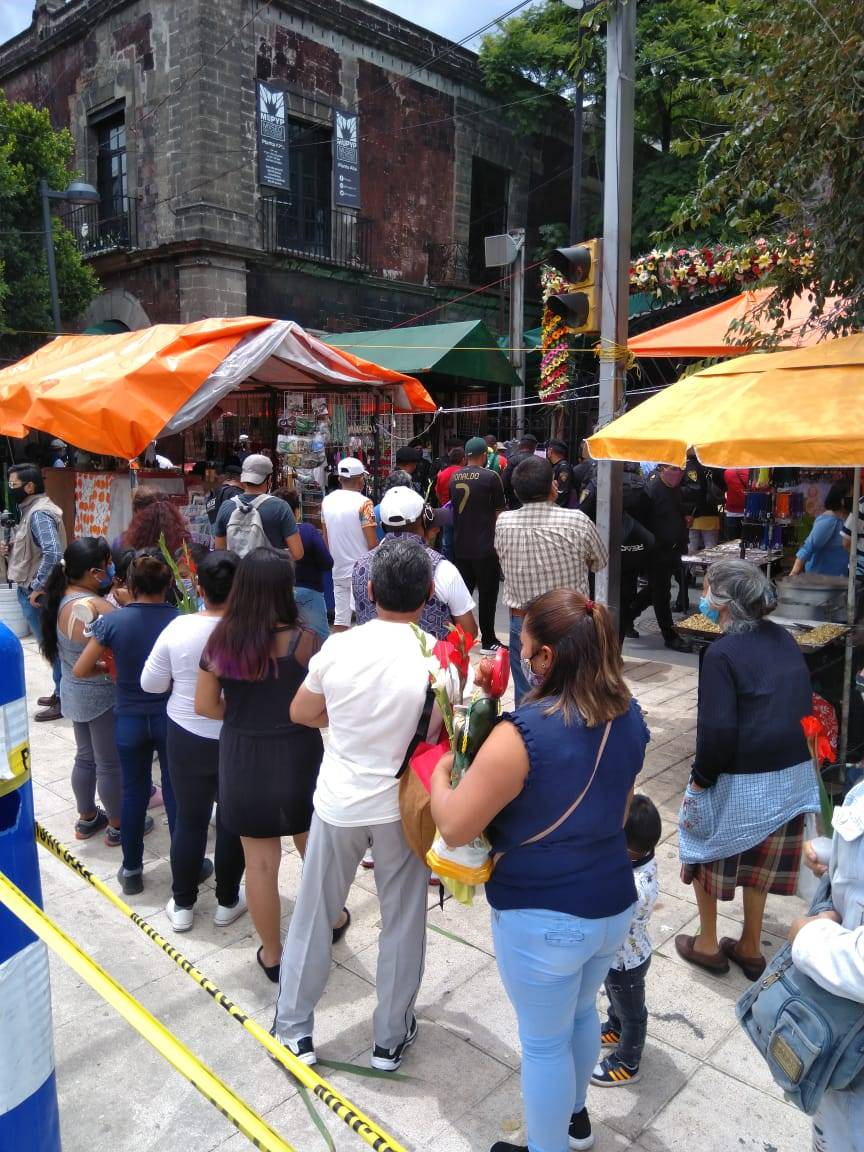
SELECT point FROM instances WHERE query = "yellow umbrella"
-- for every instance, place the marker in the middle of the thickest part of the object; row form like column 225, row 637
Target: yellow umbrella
column 801, row 408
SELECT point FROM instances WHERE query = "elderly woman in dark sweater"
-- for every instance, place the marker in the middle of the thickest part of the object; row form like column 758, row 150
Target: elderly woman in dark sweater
column 742, row 818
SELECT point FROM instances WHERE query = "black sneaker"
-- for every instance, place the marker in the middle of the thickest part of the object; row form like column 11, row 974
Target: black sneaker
column 303, row 1049
column 131, row 883
column 389, row 1059
column 609, row 1037
column 612, row 1072
column 580, row 1135
column 491, row 649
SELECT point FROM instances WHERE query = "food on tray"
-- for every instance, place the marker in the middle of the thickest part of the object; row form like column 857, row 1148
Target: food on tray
column 699, row 623
column 817, row 637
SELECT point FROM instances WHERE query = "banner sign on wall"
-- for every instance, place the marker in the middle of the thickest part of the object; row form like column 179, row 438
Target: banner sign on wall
column 346, row 159
column 272, row 137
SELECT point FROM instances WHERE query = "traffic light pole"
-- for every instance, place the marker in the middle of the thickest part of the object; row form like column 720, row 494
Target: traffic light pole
column 517, row 330
column 617, row 220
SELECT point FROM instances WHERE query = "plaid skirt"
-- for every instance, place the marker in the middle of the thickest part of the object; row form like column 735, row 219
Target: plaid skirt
column 771, row 866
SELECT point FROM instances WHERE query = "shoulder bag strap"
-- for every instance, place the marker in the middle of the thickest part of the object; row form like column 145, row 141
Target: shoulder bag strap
column 566, row 815
column 422, row 730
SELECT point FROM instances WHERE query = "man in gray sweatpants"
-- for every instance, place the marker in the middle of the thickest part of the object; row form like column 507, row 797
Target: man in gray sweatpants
column 368, row 686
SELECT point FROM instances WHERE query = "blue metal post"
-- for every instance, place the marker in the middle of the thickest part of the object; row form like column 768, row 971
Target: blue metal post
column 29, row 1117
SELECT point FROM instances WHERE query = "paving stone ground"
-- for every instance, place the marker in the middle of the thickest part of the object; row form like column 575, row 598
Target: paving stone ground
column 703, row 1087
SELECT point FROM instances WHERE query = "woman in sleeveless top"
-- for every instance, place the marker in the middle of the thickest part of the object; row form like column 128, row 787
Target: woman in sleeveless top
column 73, row 600
column 562, row 904
column 252, row 666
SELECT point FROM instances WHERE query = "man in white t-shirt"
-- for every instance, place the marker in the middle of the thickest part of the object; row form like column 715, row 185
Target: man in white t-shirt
column 369, row 686
column 404, row 513
column 348, row 524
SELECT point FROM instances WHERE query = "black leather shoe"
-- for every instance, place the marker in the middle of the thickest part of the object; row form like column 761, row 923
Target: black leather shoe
column 54, row 712
column 676, row 644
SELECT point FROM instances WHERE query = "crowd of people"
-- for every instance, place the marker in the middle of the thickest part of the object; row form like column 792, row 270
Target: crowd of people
column 232, row 700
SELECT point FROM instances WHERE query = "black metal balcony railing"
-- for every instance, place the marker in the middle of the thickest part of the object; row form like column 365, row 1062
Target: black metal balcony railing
column 449, row 263
column 315, row 233
column 96, row 232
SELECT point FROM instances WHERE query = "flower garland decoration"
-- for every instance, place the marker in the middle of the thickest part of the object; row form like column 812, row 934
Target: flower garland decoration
column 670, row 274
column 555, row 340
column 675, row 272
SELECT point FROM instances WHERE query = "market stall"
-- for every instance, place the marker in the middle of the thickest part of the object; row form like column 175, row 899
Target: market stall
column 758, row 411
column 116, row 394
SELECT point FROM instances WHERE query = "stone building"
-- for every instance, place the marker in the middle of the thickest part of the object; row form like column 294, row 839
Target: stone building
column 208, row 127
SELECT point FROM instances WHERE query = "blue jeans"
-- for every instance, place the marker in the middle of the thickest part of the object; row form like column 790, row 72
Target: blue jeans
column 138, row 737
column 552, row 966
column 313, row 610
column 33, row 616
column 521, row 687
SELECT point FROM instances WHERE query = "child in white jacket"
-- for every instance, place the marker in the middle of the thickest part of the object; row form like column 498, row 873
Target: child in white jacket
column 829, row 948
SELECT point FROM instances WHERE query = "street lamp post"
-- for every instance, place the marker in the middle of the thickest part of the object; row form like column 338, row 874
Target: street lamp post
column 77, row 193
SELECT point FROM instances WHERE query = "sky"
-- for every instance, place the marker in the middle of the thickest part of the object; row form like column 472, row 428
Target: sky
column 451, row 18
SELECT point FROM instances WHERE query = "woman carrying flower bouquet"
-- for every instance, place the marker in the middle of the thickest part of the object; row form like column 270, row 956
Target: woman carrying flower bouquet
column 551, row 786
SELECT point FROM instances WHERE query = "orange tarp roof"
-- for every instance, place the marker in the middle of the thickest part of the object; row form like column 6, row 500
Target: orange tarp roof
column 704, row 333
column 115, row 394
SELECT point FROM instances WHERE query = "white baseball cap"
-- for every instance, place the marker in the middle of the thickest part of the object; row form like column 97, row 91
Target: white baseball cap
column 351, row 468
column 401, row 506
column 256, row 469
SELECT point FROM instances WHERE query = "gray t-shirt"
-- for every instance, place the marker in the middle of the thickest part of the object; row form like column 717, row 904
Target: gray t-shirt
column 276, row 517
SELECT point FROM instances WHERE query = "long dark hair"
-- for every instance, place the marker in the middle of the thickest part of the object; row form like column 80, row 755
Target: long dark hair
column 587, row 676
column 262, row 597
column 81, row 555
column 151, row 521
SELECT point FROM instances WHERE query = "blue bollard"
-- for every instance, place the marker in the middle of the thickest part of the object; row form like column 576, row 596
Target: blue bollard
column 29, row 1118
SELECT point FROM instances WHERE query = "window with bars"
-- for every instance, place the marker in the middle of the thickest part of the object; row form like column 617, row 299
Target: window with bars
column 112, row 176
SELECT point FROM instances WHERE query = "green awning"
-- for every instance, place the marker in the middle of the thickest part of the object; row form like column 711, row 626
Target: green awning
column 105, row 328
column 467, row 350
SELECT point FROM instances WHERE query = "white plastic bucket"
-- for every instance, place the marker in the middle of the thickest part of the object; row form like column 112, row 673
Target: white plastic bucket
column 10, row 611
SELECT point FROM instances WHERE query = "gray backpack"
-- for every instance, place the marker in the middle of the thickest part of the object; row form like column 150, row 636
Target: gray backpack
column 245, row 529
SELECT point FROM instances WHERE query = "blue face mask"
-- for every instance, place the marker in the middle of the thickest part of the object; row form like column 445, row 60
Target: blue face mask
column 110, row 573
column 534, row 681
column 708, row 612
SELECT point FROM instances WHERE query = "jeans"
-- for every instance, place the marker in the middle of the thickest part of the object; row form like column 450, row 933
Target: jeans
column 628, row 1015
column 313, row 610
column 97, row 766
column 838, row 1125
column 484, row 575
column 193, row 764
column 33, row 616
column 552, row 966
column 138, row 737
column 521, row 687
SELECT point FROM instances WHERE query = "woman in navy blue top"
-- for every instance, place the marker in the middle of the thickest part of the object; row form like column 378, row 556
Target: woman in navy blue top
column 141, row 721
column 561, row 906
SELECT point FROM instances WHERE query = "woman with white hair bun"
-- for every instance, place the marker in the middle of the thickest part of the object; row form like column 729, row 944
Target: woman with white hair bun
column 742, row 819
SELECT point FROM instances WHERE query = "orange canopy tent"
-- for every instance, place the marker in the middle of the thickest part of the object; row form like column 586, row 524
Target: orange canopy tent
column 706, row 333
column 115, row 394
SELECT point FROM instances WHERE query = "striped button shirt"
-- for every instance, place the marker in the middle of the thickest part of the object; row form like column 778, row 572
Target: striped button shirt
column 542, row 547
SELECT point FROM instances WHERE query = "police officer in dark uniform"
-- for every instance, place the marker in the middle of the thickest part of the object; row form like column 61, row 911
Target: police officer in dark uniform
column 556, row 454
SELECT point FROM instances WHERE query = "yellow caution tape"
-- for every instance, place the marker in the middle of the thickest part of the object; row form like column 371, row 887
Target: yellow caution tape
column 178, row 1055
column 365, row 1128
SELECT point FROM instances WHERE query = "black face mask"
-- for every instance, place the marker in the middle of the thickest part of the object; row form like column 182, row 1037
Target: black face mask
column 19, row 495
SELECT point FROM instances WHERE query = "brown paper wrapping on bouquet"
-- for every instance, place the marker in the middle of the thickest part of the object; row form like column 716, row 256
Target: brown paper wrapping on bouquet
column 414, row 807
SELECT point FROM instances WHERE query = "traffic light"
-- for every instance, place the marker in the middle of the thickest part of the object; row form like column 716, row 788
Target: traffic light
column 581, row 265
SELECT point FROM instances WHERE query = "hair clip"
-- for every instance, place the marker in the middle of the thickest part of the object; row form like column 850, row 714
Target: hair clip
column 589, row 607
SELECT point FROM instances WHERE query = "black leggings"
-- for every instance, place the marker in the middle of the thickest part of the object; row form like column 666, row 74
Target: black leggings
column 193, row 762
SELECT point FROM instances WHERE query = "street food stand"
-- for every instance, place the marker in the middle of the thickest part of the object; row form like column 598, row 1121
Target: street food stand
column 116, row 394
column 758, row 411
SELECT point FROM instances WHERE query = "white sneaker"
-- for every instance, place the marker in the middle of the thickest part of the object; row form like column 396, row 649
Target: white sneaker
column 181, row 918
column 227, row 914
column 368, row 860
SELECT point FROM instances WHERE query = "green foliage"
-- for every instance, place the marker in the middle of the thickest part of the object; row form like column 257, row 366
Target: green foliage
column 31, row 150
column 684, row 48
column 792, row 155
